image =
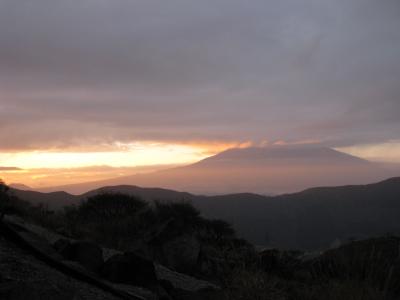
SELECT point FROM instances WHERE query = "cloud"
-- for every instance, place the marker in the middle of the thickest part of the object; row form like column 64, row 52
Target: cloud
column 43, row 177
column 384, row 152
column 10, row 169
column 82, row 73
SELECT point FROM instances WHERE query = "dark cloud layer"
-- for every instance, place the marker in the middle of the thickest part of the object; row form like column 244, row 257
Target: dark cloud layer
column 97, row 71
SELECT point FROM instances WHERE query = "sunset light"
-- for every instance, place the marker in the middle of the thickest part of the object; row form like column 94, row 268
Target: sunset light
column 154, row 149
column 139, row 154
column 57, row 167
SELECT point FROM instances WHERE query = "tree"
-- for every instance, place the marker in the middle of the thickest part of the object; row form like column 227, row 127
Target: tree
column 110, row 206
column 181, row 211
column 4, row 198
column 219, row 229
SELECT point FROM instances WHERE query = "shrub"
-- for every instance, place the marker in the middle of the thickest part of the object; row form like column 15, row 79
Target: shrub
column 4, row 199
column 183, row 211
column 218, row 229
column 109, row 207
column 112, row 219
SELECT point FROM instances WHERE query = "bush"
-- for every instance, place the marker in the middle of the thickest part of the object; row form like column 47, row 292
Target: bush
column 112, row 219
column 244, row 284
column 339, row 290
column 110, row 207
column 218, row 229
column 4, row 199
column 182, row 211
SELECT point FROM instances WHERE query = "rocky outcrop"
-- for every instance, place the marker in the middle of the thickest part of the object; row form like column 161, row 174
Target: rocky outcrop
column 23, row 276
column 11, row 235
column 183, row 282
column 130, row 268
column 128, row 275
column 35, row 290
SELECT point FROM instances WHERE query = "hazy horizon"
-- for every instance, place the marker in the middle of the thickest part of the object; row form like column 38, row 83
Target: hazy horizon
column 267, row 170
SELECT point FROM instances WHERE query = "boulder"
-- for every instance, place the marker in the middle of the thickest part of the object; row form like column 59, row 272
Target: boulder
column 130, row 268
column 184, row 287
column 88, row 254
column 171, row 280
column 181, row 253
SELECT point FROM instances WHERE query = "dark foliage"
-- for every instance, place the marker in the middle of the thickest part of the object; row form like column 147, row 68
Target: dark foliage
column 110, row 206
column 111, row 219
column 182, row 211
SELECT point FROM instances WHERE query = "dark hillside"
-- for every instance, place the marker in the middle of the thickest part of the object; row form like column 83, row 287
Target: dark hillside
column 313, row 218
column 310, row 219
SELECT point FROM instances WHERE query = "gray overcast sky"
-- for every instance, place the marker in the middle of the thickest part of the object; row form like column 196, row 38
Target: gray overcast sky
column 81, row 72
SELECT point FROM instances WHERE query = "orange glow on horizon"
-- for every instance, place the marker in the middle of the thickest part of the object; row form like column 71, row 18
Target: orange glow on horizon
column 128, row 155
column 54, row 168
column 51, row 167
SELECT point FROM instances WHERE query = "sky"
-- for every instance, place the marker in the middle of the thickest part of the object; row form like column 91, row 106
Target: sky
column 131, row 83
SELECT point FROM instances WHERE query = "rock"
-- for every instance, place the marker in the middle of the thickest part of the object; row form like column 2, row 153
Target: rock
column 88, row 254
column 181, row 253
column 201, row 295
column 130, row 268
column 184, row 287
column 38, row 290
column 142, row 249
column 64, row 247
column 40, row 243
column 174, row 280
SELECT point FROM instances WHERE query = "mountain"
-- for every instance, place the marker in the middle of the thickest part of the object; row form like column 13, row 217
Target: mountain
column 266, row 170
column 21, row 186
column 310, row 219
column 313, row 218
column 57, row 200
column 53, row 200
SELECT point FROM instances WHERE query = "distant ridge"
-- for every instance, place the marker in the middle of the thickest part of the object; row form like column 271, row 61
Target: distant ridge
column 21, row 186
column 266, row 170
column 310, row 219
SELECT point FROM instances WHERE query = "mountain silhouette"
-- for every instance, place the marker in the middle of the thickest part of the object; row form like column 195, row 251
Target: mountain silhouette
column 267, row 170
column 21, row 186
